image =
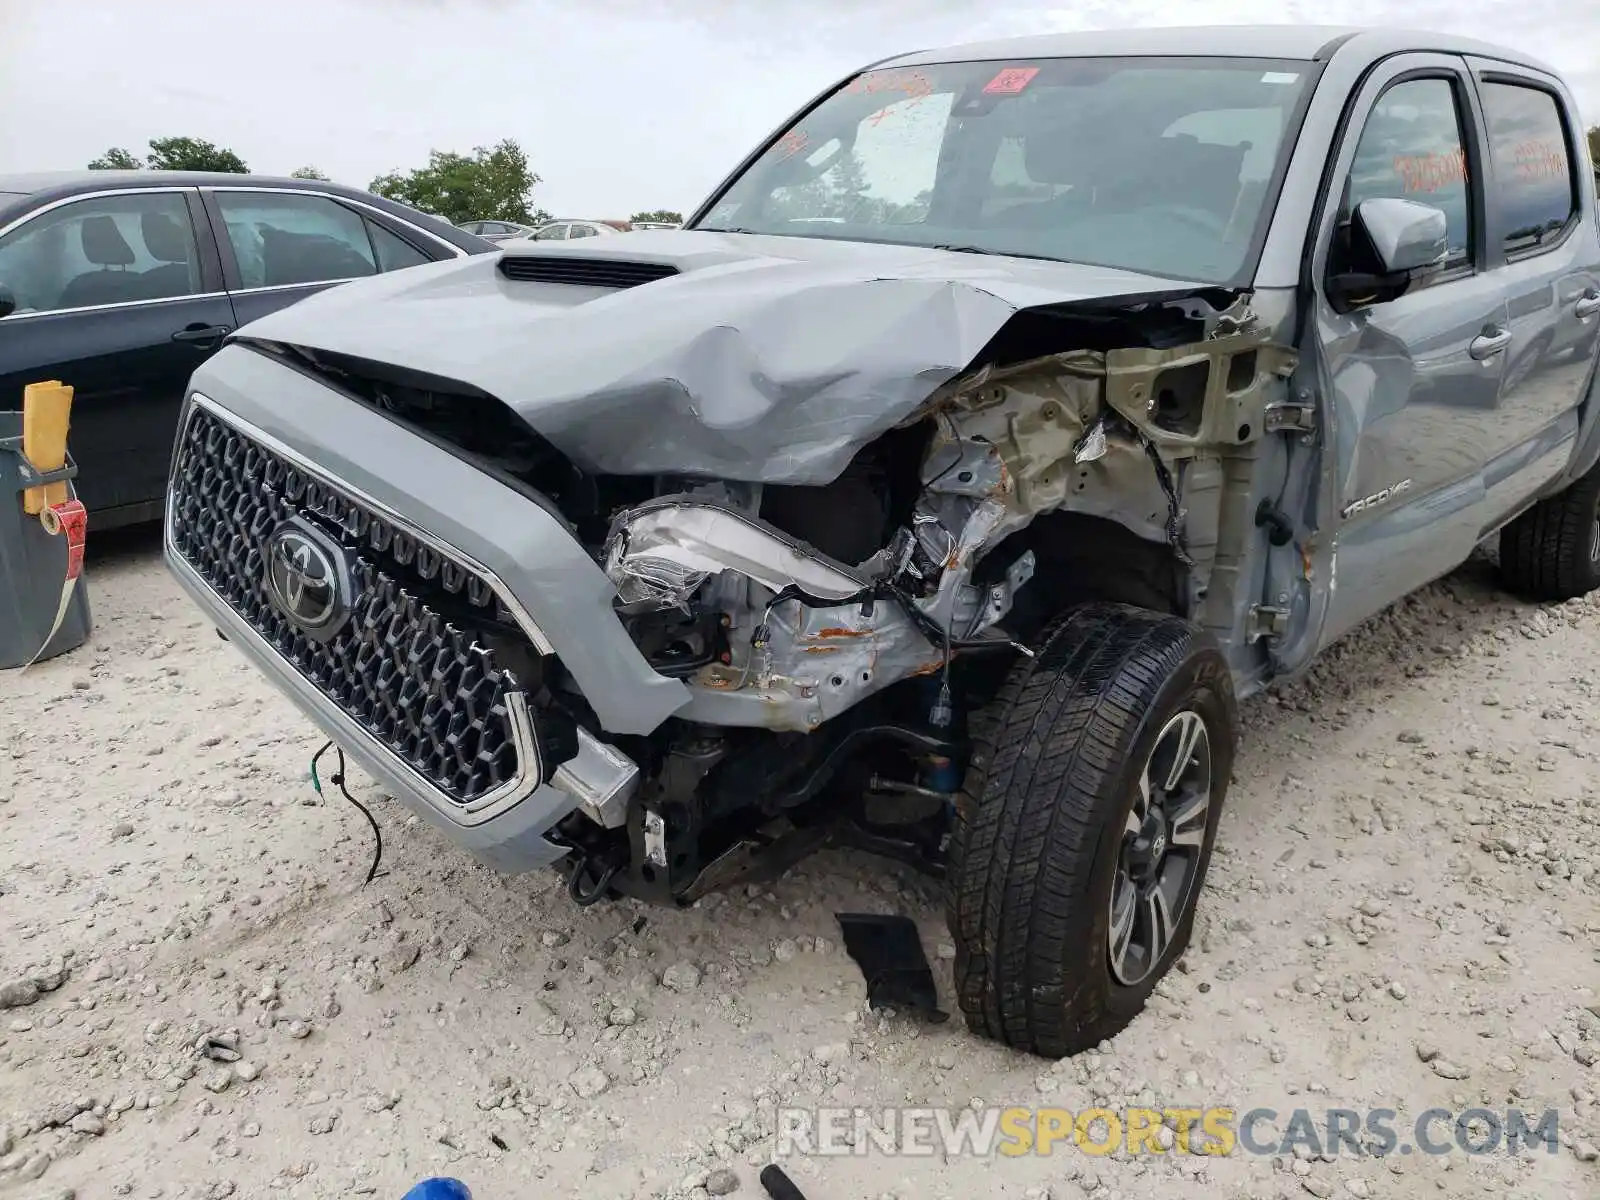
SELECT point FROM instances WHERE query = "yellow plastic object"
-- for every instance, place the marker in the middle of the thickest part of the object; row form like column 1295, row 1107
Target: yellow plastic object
column 46, row 414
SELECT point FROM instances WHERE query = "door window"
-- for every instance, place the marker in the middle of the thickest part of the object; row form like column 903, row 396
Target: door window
column 551, row 233
column 393, row 252
column 1412, row 148
column 282, row 238
column 1534, row 184
column 582, row 231
column 109, row 250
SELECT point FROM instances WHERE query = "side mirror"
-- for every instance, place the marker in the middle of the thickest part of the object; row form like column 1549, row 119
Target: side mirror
column 1406, row 237
column 8, row 302
column 1392, row 244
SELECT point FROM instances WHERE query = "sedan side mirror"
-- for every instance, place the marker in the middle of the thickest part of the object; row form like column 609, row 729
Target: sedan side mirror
column 1393, row 243
column 8, row 302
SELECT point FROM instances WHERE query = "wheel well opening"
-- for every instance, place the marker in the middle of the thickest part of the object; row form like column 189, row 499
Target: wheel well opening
column 1080, row 559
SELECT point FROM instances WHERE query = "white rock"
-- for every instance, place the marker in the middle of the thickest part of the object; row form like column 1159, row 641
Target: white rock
column 589, row 1081
column 681, row 977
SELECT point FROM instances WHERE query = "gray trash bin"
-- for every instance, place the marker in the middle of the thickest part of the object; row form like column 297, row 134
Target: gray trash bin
column 33, row 564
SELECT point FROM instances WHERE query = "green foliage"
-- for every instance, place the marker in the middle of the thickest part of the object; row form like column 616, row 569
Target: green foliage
column 1594, row 144
column 173, row 154
column 658, row 214
column 193, row 154
column 491, row 184
column 116, row 159
column 307, row 173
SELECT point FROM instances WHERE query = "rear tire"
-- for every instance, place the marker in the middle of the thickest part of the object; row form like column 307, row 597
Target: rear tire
column 1118, row 699
column 1552, row 551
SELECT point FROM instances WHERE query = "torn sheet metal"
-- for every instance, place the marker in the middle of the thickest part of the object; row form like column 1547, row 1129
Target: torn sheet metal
column 766, row 359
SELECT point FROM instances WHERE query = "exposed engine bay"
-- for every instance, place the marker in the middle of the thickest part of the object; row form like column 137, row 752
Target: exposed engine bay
column 834, row 636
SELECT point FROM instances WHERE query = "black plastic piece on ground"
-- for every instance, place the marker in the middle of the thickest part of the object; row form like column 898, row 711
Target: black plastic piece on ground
column 889, row 952
column 778, row 1184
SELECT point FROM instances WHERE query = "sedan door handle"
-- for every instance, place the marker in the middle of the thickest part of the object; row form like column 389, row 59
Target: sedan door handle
column 1588, row 304
column 202, row 337
column 1487, row 344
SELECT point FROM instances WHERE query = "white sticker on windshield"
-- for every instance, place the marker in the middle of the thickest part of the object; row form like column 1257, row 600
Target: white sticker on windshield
column 1279, row 77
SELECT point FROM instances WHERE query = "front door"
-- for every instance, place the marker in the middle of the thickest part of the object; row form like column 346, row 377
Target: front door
column 117, row 296
column 1411, row 384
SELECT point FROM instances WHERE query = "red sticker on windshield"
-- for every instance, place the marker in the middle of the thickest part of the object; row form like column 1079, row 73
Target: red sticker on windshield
column 1010, row 81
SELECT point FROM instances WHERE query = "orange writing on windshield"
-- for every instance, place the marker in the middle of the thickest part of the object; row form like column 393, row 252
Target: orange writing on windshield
column 792, row 143
column 910, row 83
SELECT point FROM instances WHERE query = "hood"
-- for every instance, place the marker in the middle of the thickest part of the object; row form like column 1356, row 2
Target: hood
column 764, row 359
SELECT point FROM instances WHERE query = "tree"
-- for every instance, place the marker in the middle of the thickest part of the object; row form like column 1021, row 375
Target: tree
column 492, row 184
column 308, row 173
column 116, row 159
column 173, row 154
column 660, row 215
column 1594, row 144
column 849, row 187
column 193, row 154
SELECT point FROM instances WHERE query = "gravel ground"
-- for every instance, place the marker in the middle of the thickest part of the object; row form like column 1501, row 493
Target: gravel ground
column 1402, row 913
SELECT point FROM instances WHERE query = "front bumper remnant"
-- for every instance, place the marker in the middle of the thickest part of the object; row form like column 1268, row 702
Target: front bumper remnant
column 439, row 719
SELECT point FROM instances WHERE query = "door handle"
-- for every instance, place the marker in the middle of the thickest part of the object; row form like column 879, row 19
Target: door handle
column 202, row 337
column 1588, row 304
column 1489, row 343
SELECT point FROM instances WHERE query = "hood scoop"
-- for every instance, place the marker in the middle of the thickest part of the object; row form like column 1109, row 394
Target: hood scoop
column 583, row 272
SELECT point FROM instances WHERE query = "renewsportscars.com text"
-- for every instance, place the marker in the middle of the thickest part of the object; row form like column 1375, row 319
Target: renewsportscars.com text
column 1012, row 1132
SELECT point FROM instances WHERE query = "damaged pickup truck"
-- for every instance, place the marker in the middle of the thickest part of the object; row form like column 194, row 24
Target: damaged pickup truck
column 1000, row 422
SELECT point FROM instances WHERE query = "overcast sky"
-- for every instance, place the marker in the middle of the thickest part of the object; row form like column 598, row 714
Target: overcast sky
column 621, row 104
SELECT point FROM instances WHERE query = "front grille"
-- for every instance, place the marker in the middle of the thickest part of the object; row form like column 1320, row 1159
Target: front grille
column 406, row 673
column 586, row 272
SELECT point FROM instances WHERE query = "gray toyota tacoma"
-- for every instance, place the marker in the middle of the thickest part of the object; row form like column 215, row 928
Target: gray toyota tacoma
column 940, row 488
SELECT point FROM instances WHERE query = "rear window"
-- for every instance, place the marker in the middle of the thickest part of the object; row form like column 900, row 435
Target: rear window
column 1534, row 180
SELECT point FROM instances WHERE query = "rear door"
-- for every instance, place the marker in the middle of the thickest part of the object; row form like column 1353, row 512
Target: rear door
column 1413, row 382
column 1543, row 249
column 279, row 246
column 119, row 294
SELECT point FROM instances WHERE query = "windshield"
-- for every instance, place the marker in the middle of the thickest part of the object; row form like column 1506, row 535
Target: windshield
column 1156, row 165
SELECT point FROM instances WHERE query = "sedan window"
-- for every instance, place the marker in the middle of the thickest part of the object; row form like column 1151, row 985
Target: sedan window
column 107, row 250
column 282, row 238
column 393, row 251
column 551, row 233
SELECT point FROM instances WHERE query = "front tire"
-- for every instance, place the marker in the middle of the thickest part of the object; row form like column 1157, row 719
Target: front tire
column 1552, row 551
column 1085, row 826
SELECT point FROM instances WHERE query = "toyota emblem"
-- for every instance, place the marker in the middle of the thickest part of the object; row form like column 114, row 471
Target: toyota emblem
column 303, row 578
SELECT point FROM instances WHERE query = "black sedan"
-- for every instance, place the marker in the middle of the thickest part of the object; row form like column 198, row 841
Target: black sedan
column 121, row 283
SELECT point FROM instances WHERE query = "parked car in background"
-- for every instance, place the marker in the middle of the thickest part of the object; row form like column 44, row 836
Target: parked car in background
column 638, row 225
column 121, row 283
column 498, row 231
column 560, row 231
